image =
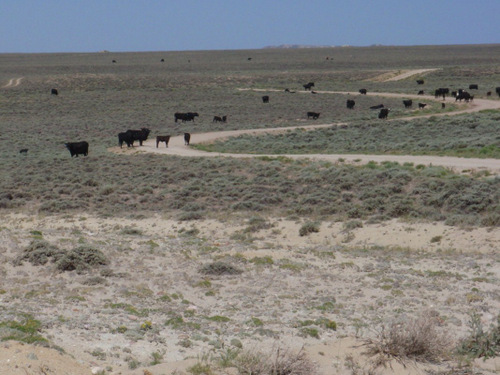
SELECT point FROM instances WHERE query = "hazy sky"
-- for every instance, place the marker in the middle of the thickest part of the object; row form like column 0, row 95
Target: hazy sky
column 166, row 25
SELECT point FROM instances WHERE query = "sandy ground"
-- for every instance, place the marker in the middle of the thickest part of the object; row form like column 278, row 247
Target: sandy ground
column 166, row 261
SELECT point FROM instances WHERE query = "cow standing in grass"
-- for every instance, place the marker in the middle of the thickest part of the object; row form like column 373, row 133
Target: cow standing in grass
column 78, row 148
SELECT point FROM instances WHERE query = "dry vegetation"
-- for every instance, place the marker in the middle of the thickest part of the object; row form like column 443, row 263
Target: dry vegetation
column 116, row 259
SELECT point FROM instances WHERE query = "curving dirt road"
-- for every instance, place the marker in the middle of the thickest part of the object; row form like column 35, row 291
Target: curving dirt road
column 460, row 165
column 13, row 82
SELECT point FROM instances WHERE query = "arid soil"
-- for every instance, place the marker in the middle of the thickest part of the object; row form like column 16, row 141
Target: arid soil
column 153, row 311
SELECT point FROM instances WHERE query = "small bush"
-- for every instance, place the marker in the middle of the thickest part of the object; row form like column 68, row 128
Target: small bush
column 417, row 339
column 278, row 361
column 480, row 343
column 220, row 268
column 39, row 252
column 308, row 228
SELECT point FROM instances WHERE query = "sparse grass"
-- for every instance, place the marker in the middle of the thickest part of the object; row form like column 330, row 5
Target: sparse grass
column 26, row 329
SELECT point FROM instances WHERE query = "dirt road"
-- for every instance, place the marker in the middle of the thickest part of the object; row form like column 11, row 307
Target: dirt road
column 460, row 165
column 13, row 82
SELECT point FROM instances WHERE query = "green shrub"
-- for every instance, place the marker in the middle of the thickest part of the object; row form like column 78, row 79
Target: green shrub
column 481, row 343
column 220, row 268
column 308, row 228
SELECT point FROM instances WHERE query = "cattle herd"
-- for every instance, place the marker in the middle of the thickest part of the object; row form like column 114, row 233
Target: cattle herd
column 130, row 136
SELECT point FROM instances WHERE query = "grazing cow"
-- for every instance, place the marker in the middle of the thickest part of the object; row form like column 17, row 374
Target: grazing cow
column 420, row 81
column 54, row 92
column 162, row 60
column 454, row 94
column 114, row 61
column 421, row 92
column 314, row 115
column 78, row 148
column 363, row 91
column 187, row 138
column 488, row 93
column 384, row 112
column 189, row 116
column 421, row 105
column 217, row 119
column 441, row 92
column 473, row 87
column 497, row 90
column 461, row 94
column 162, row 138
column 443, row 105
column 408, row 103
column 265, row 99
column 308, row 86
column 350, row 103
column 249, row 59
column 24, row 151
column 224, row 119
column 130, row 136
column 378, row 106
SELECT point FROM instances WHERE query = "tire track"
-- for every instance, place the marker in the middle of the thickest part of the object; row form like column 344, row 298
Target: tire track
column 13, row 82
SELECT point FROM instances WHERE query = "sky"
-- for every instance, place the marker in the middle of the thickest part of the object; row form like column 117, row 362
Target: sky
column 32, row 26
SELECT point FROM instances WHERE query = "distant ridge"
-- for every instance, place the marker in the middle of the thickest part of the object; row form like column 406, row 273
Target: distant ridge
column 291, row 46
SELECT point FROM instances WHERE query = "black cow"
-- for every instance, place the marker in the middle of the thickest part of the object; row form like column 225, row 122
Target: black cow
column 350, row 103
column 24, row 151
column 443, row 105
column 422, row 105
column 441, row 92
column 384, row 112
column 308, row 86
column 421, row 92
column 420, row 81
column 408, row 103
column 139, row 135
column 189, row 116
column 497, row 90
column 78, row 148
column 217, row 119
column 224, row 119
column 488, row 93
column 54, row 92
column 314, row 115
column 265, row 99
column 473, row 87
column 125, row 137
column 463, row 95
column 187, row 138
column 363, row 91
column 130, row 136
column 162, row 138
column 162, row 60
column 378, row 106
column 114, row 61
